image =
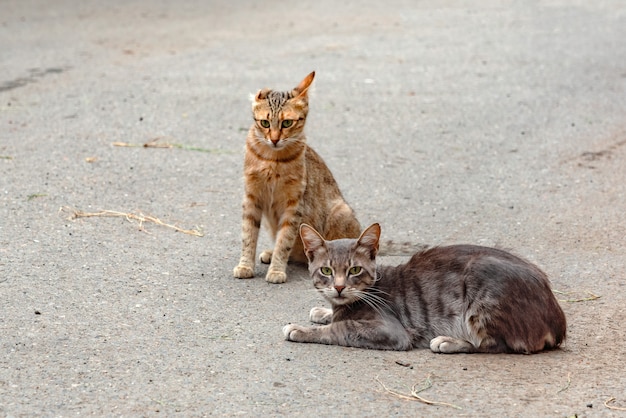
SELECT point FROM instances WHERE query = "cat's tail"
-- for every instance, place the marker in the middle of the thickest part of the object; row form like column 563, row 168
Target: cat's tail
column 391, row 248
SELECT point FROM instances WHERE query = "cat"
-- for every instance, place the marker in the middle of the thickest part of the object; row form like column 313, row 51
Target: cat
column 454, row 299
column 286, row 182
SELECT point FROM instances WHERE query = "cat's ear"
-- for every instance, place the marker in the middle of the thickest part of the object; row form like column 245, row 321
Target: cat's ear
column 260, row 95
column 301, row 90
column 311, row 240
column 369, row 239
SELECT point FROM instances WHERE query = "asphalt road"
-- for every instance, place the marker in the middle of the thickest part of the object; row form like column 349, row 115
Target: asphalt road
column 494, row 123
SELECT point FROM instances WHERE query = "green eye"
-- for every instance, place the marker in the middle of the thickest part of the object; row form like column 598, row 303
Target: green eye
column 287, row 123
column 265, row 123
column 355, row 270
column 326, row 271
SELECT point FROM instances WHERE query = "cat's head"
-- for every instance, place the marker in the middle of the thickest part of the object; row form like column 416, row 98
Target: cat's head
column 343, row 269
column 279, row 116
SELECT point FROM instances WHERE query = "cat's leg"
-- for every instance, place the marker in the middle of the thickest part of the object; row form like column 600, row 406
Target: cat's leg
column 266, row 257
column 285, row 240
column 321, row 315
column 319, row 334
column 250, row 225
column 297, row 253
column 449, row 345
column 374, row 334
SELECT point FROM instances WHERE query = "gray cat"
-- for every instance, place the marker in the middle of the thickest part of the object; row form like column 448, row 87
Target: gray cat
column 455, row 299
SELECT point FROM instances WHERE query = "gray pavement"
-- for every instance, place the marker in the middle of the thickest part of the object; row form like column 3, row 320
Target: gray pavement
column 495, row 123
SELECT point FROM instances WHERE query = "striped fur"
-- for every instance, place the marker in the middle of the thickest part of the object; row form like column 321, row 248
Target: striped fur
column 455, row 299
column 286, row 183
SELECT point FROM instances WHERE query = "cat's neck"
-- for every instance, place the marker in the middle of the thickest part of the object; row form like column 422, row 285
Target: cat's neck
column 286, row 154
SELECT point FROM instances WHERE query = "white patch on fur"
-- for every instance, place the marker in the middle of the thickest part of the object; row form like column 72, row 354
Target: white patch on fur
column 320, row 315
column 287, row 330
column 449, row 345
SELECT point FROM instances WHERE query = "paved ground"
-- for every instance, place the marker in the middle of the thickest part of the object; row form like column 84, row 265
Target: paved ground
column 502, row 124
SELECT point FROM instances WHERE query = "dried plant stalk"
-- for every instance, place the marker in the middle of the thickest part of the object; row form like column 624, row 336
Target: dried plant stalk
column 591, row 296
column 139, row 217
column 569, row 382
column 414, row 395
column 615, row 408
column 154, row 143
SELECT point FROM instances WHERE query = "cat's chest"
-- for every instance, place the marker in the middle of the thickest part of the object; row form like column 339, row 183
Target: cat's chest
column 273, row 176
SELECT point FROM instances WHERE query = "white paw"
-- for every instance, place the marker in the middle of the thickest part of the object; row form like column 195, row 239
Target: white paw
column 274, row 276
column 321, row 315
column 449, row 345
column 288, row 329
column 243, row 272
column 266, row 257
column 435, row 344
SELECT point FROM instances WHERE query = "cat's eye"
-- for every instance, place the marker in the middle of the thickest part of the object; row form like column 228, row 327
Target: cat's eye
column 287, row 123
column 265, row 123
column 355, row 270
column 326, row 271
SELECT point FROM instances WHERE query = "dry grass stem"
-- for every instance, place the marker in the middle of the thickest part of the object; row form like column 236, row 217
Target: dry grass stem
column 35, row 196
column 591, row 296
column 164, row 404
column 615, row 408
column 414, row 395
column 569, row 381
column 154, row 143
column 139, row 217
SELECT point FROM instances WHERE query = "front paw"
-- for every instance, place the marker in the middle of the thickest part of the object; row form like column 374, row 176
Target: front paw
column 291, row 332
column 275, row 276
column 243, row 272
column 438, row 344
column 449, row 345
column 321, row 315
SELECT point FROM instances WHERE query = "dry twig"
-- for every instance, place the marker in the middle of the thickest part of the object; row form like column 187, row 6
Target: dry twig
column 35, row 196
column 154, row 143
column 414, row 396
column 139, row 217
column 615, row 408
column 591, row 296
column 569, row 381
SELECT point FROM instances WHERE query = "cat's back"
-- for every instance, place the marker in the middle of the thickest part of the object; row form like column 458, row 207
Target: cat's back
column 464, row 258
column 318, row 173
column 472, row 272
column 442, row 287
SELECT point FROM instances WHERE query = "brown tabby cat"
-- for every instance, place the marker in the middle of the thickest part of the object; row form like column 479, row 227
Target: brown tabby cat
column 456, row 299
column 288, row 183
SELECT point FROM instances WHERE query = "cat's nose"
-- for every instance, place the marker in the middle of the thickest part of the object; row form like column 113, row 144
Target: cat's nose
column 339, row 289
column 274, row 136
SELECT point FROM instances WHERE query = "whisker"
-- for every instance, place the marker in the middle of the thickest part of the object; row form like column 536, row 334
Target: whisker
column 373, row 290
column 382, row 300
column 378, row 303
column 374, row 305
